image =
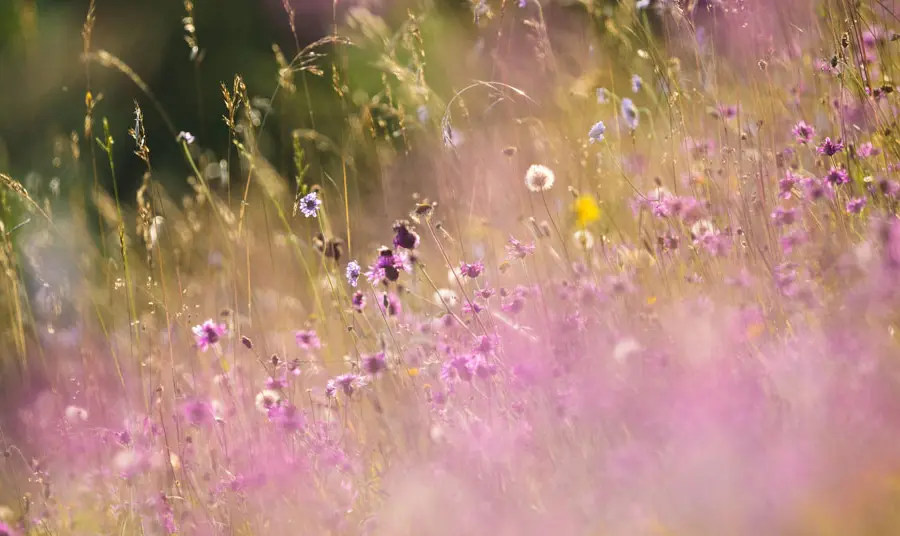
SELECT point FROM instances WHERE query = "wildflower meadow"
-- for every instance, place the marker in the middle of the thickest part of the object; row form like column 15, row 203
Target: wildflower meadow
column 485, row 267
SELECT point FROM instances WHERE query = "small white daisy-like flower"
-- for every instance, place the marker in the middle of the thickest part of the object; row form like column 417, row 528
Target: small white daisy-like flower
column 539, row 178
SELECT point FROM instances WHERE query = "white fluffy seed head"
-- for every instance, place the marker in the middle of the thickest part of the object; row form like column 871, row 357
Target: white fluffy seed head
column 445, row 296
column 584, row 239
column 76, row 414
column 266, row 399
column 539, row 178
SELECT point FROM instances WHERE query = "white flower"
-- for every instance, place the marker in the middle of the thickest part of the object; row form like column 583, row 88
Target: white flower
column 447, row 297
column 539, row 178
column 75, row 414
column 624, row 349
column 703, row 228
column 584, row 239
column 266, row 399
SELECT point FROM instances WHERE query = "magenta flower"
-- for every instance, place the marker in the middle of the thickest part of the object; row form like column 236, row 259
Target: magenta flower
column 518, row 250
column 792, row 240
column 803, row 133
column 196, row 412
column 855, row 205
column 373, row 364
column 867, row 150
column 837, row 176
column 346, row 383
column 830, row 148
column 308, row 340
column 208, row 334
column 286, row 416
column 471, row 270
column 484, row 293
column 6, row 530
column 387, row 266
column 404, row 236
column 358, row 301
column 458, row 367
column 816, row 189
column 784, row 216
column 390, row 304
column 472, row 308
column 786, row 185
column 888, row 187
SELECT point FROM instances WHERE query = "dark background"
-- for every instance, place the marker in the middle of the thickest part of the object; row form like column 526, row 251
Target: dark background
column 43, row 80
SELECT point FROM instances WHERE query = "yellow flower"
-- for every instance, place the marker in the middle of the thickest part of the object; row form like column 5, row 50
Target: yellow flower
column 586, row 210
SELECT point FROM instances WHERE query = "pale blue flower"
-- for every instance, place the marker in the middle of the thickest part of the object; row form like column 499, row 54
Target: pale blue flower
column 597, row 131
column 630, row 114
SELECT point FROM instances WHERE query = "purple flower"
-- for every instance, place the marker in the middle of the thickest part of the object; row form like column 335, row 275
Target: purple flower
column 630, row 114
column 888, row 187
column 518, row 250
column 309, row 205
column 276, row 384
column 636, row 83
column 786, row 185
column 785, row 275
column 346, row 383
column 307, row 340
column 837, row 176
column 855, row 205
column 887, row 233
column 687, row 208
column 208, row 334
column 6, row 530
column 484, row 293
column 830, row 148
column 816, row 189
column 485, row 345
column 471, row 270
column 358, row 300
column 597, row 131
column 457, row 367
column 482, row 368
column 792, row 240
column 387, row 266
column 166, row 514
column 472, row 308
column 867, row 149
column 196, row 412
column 602, row 95
column 353, row 272
column 803, row 132
column 404, row 236
column 784, row 216
column 515, row 302
column 728, row 111
column 286, row 416
column 390, row 304
column 373, row 364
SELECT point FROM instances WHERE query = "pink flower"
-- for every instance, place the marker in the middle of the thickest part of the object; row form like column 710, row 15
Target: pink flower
column 208, row 333
column 308, row 340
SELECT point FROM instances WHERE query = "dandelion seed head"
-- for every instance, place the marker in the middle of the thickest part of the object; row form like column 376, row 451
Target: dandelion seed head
column 539, row 178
